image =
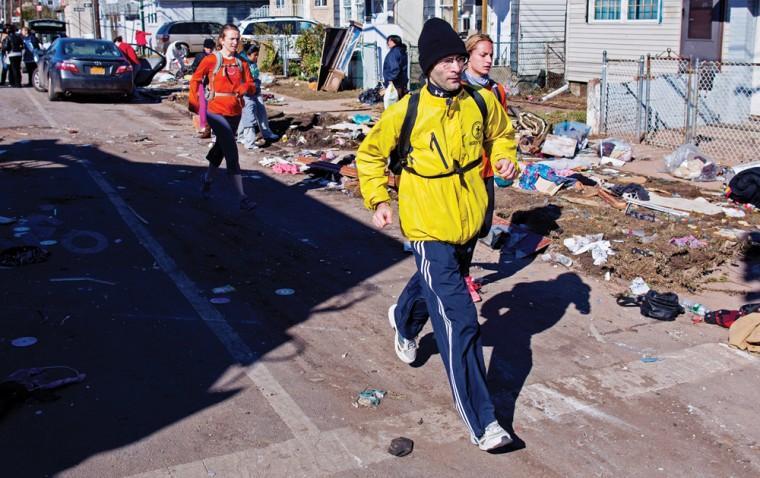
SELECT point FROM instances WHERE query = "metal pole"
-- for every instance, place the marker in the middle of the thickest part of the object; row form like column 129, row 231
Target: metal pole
column 484, row 17
column 455, row 18
column 639, row 96
column 695, row 109
column 284, row 50
column 603, row 93
column 96, row 15
column 546, row 59
column 687, row 113
column 648, row 95
column 142, row 15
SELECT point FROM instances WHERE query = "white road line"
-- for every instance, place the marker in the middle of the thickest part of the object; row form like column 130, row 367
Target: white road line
column 283, row 404
column 51, row 121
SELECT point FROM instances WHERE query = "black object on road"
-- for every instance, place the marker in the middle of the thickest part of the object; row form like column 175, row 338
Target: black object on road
column 401, row 446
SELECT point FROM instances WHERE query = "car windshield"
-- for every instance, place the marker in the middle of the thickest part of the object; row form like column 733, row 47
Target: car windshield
column 79, row 48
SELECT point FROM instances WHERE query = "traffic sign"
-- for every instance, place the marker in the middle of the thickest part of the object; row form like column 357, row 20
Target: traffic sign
column 87, row 5
column 78, row 9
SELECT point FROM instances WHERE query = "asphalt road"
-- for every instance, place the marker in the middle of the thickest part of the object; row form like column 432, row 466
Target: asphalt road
column 262, row 385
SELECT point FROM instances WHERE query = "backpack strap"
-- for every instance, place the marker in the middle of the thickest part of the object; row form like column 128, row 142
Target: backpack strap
column 478, row 101
column 404, row 146
column 219, row 62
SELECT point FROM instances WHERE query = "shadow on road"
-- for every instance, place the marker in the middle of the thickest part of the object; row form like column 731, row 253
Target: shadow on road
column 150, row 360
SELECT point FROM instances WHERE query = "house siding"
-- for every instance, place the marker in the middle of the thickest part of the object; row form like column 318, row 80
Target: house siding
column 542, row 20
column 740, row 30
column 587, row 41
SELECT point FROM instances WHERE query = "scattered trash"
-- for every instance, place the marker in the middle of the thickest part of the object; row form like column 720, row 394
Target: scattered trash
column 725, row 318
column 640, row 215
column 687, row 162
column 559, row 146
column 638, row 286
column 401, row 446
column 284, row 168
column 631, row 191
column 7, row 220
column 23, row 383
column 369, row 397
column 731, row 212
column 225, row 289
column 220, row 300
column 557, row 258
column 650, row 359
column 574, row 130
column 391, row 96
column 744, row 334
column 615, row 152
column 71, row 242
column 49, row 242
column 23, row 255
column 661, row 306
column 361, row 119
column 24, row 341
column 285, row 291
column 514, row 240
column 744, row 188
column 688, row 241
column 600, row 249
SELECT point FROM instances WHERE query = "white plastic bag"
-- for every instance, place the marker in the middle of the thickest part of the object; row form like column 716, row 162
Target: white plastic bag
column 615, row 152
column 391, row 96
column 687, row 162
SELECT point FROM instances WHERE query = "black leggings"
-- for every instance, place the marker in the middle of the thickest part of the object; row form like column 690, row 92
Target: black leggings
column 225, row 147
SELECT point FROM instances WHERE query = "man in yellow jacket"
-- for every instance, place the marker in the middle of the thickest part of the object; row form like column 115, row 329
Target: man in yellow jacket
column 442, row 203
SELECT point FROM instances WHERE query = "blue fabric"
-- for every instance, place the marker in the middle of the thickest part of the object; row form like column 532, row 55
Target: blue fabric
column 532, row 172
column 441, row 293
column 30, row 44
column 395, row 68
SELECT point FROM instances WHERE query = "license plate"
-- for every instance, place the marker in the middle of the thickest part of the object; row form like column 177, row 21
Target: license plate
column 97, row 70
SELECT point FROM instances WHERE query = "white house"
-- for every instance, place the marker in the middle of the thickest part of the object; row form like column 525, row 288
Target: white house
column 724, row 30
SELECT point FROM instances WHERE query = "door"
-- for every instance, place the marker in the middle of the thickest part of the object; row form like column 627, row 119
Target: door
column 702, row 29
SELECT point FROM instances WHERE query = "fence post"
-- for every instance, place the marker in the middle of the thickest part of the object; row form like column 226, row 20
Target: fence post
column 639, row 97
column 603, row 94
column 546, row 57
column 695, row 106
column 284, row 50
column 689, row 88
column 648, row 95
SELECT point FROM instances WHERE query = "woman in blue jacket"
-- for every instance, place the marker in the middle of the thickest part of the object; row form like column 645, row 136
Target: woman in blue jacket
column 396, row 66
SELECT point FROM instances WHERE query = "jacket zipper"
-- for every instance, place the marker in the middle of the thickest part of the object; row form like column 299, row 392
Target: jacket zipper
column 434, row 142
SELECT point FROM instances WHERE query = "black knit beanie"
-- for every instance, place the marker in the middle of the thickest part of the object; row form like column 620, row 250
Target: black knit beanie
column 438, row 40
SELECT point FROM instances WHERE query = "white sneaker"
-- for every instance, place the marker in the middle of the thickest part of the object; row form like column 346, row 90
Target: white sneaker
column 405, row 349
column 494, row 437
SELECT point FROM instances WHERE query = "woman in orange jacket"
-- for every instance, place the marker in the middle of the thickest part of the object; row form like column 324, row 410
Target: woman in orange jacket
column 227, row 81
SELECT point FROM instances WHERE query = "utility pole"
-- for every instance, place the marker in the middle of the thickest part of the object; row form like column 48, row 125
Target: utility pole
column 96, row 17
column 455, row 18
column 142, row 15
column 484, row 17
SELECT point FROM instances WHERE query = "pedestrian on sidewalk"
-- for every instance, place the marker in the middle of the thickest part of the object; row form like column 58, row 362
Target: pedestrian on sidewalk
column 480, row 58
column 228, row 81
column 442, row 202
column 13, row 47
column 254, row 109
column 396, row 66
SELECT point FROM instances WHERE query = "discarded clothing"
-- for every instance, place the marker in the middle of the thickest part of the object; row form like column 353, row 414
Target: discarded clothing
column 22, row 255
column 401, row 446
column 281, row 168
column 371, row 96
column 725, row 318
column 22, row 383
column 744, row 188
column 688, row 241
column 532, row 172
column 632, row 191
column 744, row 334
column 514, row 240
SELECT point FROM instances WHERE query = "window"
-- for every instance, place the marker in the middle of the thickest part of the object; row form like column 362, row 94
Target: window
column 625, row 10
column 643, row 9
column 607, row 9
column 279, row 3
column 320, row 3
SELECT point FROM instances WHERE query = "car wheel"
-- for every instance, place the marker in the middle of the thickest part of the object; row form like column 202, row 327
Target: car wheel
column 52, row 95
column 37, row 81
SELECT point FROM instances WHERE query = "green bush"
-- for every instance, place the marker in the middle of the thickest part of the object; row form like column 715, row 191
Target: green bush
column 309, row 48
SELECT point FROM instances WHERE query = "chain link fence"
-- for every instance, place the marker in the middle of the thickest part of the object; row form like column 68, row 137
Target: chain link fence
column 669, row 101
column 523, row 66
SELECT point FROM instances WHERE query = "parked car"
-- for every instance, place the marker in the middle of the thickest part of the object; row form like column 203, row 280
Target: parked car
column 86, row 66
column 47, row 30
column 189, row 35
column 276, row 30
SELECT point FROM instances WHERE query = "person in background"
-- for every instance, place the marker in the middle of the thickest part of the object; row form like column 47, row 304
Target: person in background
column 228, row 82
column 4, row 63
column 208, row 48
column 175, row 57
column 254, row 110
column 129, row 53
column 396, row 66
column 29, row 56
column 480, row 58
column 13, row 47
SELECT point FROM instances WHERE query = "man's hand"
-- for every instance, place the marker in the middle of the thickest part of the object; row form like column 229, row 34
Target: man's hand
column 383, row 215
column 506, row 169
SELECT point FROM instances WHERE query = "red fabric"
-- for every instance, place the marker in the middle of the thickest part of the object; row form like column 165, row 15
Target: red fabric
column 141, row 38
column 128, row 52
column 229, row 79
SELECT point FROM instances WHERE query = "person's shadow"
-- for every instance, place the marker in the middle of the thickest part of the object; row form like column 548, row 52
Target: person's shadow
column 512, row 319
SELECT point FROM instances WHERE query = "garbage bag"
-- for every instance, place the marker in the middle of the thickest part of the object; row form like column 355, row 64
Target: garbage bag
column 391, row 96
column 614, row 151
column 371, row 96
column 688, row 162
